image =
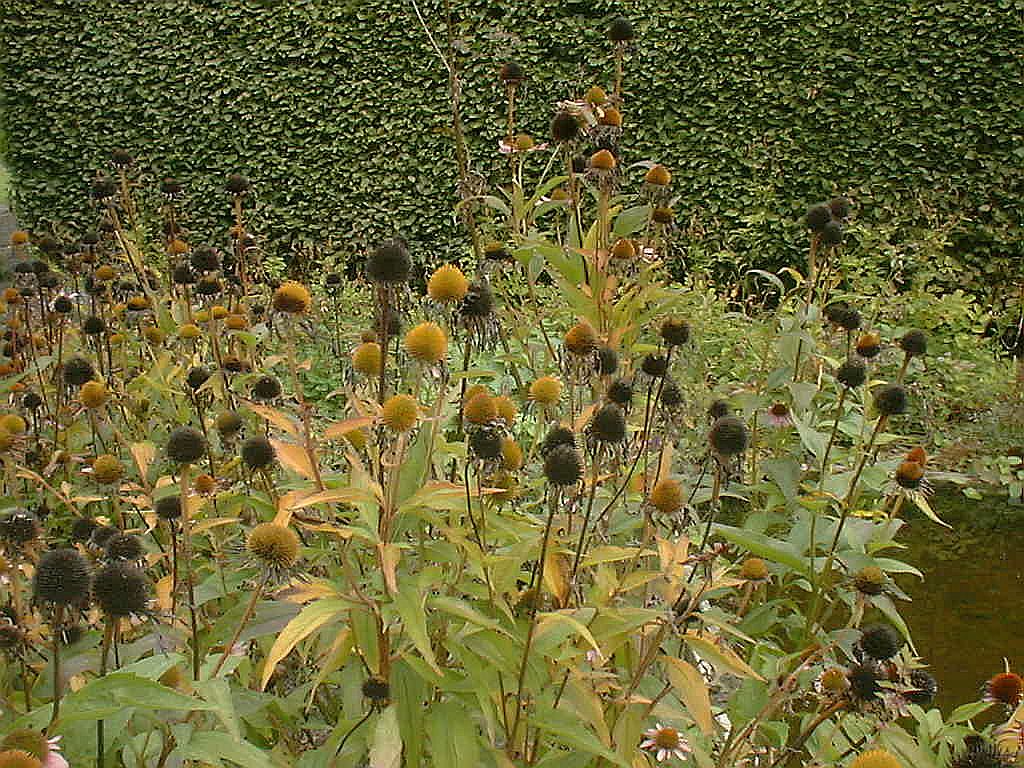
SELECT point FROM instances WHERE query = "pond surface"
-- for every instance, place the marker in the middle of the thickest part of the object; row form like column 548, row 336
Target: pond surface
column 965, row 616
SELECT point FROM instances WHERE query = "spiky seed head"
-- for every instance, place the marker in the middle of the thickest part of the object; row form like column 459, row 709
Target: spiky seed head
column 189, row 332
column 832, row 233
column 728, row 436
column 511, row 454
column 924, row 685
column 581, row 339
column 107, row 469
column 608, row 424
column 185, row 445
column 833, row 680
column 274, row 545
column 607, row 361
column 153, row 335
column 852, row 373
column 817, row 217
column 13, row 424
column 864, row 681
column 563, row 466
column 93, row 394
column 218, row 311
column 62, row 578
column 11, row 637
column 266, row 387
column 478, row 302
column 366, row 358
column 880, row 642
column 890, row 400
column 389, row 263
column 62, row 305
column 20, row 527
column 556, row 436
column 236, row 322
column 27, row 740
column 1006, row 688
column 523, row 142
column 603, row 160
column 77, row 371
column 205, row 484
column 228, row 423
column 121, row 589
column 18, row 758
column 839, row 207
column 610, row 116
column 620, row 31
column 485, row 443
column 182, row 274
column 168, row 507
column 909, row 474
column 292, row 298
column 82, row 528
column 564, row 127
column 507, row 410
column 624, row 249
column 205, row 259
column 754, row 569
column 124, row 546
column 667, row 496
column 663, row 216
column 93, row 326
column 237, row 184
column 105, row 273
column 427, row 343
column 257, row 452
column 658, row 176
column 376, row 689
column 595, row 95
column 19, row 237
column 671, row 394
column 480, row 409
column 876, row 758
column 917, row 455
column 914, row 343
column 675, row 331
column 197, row 376
column 620, row 392
column 447, row 285
column 870, row 580
column 512, row 72
column 655, row 366
column 400, row 413
column 546, row 391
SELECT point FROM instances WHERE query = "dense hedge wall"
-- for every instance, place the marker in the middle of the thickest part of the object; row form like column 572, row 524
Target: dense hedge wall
column 338, row 109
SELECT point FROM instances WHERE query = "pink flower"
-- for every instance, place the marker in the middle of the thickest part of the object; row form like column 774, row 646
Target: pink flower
column 778, row 415
column 665, row 743
column 54, row 759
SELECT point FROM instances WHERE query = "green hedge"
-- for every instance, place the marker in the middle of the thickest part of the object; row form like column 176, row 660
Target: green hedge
column 338, row 110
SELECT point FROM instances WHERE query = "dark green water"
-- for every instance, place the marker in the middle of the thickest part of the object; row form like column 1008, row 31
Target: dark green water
column 965, row 616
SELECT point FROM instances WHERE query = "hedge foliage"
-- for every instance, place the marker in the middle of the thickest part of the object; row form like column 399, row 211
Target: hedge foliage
column 338, row 110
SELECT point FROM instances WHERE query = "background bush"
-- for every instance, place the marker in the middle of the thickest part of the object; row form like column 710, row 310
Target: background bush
column 339, row 112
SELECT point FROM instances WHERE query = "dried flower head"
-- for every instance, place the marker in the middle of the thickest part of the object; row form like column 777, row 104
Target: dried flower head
column 185, row 445
column 581, row 339
column 728, row 436
column 563, row 466
column 667, row 496
column 400, row 413
column 608, row 424
column 546, row 391
column 107, row 469
column 852, row 373
column 890, row 400
column 257, row 452
column 274, row 546
column 389, row 263
column 292, row 298
column 62, row 578
column 121, row 589
column 914, row 343
column 367, row 358
column 880, row 642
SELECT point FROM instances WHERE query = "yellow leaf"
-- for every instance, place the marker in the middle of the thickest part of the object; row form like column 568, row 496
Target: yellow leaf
column 339, row 429
column 294, row 457
column 275, row 417
column 309, row 620
column 143, row 453
column 556, row 576
column 389, row 556
column 333, row 495
column 721, row 656
column 205, row 525
column 162, row 591
column 692, row 691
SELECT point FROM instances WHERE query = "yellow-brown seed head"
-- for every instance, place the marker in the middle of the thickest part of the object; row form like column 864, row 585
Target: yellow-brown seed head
column 480, row 409
column 667, row 496
column 511, row 454
column 623, row 249
column 366, row 358
column 611, row 117
column 93, row 394
column 658, row 176
column 292, row 298
column 177, row 246
column 105, row 273
column 427, row 343
column 507, row 410
column 153, row 334
column 189, row 332
column 138, row 303
column 236, row 322
column 546, row 391
column 275, row 546
column 19, row 237
column 107, row 469
column 603, row 160
column 581, row 339
column 218, row 312
column 13, row 424
column 595, row 95
column 400, row 413
column 876, row 758
column 205, row 484
column 447, row 285
column 754, row 569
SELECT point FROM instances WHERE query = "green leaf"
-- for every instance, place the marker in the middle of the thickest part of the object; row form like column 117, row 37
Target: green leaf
column 409, row 602
column 765, row 546
column 386, row 747
column 313, row 617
